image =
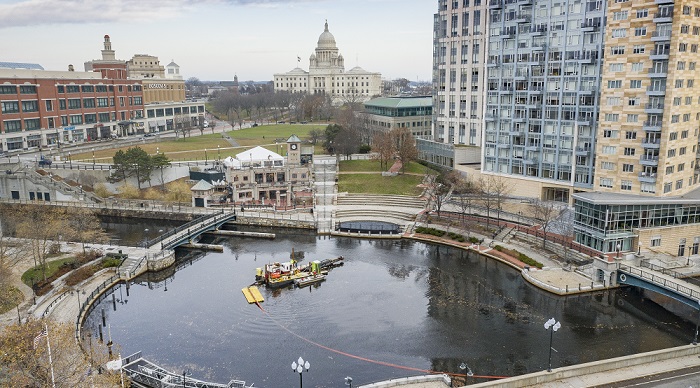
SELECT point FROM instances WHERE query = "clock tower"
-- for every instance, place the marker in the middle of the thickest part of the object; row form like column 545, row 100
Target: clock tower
column 294, row 150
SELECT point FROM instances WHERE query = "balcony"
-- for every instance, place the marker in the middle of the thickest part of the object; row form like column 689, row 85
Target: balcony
column 519, row 119
column 656, row 90
column 583, row 151
column 495, row 4
column 531, row 161
column 654, row 108
column 661, row 36
column 590, row 26
column 664, row 1
column 583, row 120
column 537, row 47
column 659, row 55
column 647, row 177
column 653, row 144
column 538, row 31
column 658, row 72
column 503, row 145
column 651, row 126
column 586, row 92
column 663, row 17
column 646, row 160
column 523, row 18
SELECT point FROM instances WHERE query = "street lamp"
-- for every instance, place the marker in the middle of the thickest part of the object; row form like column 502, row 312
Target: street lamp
column 464, row 366
column 299, row 366
column 206, row 158
column 70, row 161
column 348, row 381
column 93, row 156
column 185, row 373
column 554, row 325
column 618, row 246
column 695, row 339
column 218, row 151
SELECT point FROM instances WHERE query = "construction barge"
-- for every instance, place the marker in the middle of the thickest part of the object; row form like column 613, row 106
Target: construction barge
column 277, row 275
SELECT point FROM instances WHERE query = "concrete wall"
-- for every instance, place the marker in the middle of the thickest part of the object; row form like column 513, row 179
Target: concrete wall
column 538, row 378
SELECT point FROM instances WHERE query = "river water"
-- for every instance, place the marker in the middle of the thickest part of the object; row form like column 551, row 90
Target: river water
column 394, row 309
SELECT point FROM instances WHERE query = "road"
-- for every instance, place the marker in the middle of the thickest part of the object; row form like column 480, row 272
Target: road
column 683, row 378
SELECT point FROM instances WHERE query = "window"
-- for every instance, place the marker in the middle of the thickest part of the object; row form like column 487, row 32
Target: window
column 102, row 102
column 668, row 187
column 27, row 89
column 609, row 150
column 627, row 167
column 669, row 170
column 88, row 89
column 629, row 151
column 638, row 66
column 673, row 136
column 678, row 83
column 632, row 118
column 635, row 84
column 619, row 32
column 675, row 118
column 671, row 153
column 614, row 84
column 612, row 117
column 72, row 89
column 88, row 102
column 617, row 67
column 642, row 13
column 638, row 49
column 9, row 107
column 680, row 167
column 685, row 28
column 8, row 89
column 689, row 100
column 684, row 134
column 617, row 50
column 691, row 66
column 49, row 105
column 13, row 125
column 630, row 135
column 676, row 101
column 76, row 119
column 640, row 31
column 680, row 65
column 31, row 124
column 607, row 165
column 101, row 88
column 682, row 47
column 73, row 103
column 686, row 117
column 679, row 184
column 690, row 83
column 611, row 133
column 30, row 106
column 621, row 15
column 626, row 185
column 656, row 240
column 606, row 182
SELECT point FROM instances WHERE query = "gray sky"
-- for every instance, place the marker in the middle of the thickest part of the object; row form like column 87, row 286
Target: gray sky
column 215, row 39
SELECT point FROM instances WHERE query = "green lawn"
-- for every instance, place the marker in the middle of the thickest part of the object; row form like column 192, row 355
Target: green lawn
column 35, row 272
column 193, row 148
column 373, row 166
column 378, row 184
column 270, row 134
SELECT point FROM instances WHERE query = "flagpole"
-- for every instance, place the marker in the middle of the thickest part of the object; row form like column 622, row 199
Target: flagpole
column 48, row 345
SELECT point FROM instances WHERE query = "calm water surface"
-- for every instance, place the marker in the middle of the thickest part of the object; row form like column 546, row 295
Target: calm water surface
column 400, row 302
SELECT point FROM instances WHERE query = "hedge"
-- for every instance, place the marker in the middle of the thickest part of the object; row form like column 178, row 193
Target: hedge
column 520, row 256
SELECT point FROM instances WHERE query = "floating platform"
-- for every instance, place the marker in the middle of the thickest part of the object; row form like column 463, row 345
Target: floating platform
column 309, row 280
column 204, row 247
column 221, row 232
column 253, row 295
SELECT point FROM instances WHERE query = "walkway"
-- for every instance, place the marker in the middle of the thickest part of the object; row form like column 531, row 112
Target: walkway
column 325, row 170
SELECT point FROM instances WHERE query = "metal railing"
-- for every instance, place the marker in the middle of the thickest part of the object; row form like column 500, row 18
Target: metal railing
column 89, row 300
column 658, row 268
column 54, row 303
column 660, row 281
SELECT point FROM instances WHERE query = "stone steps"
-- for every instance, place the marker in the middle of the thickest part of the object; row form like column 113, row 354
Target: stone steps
column 380, row 200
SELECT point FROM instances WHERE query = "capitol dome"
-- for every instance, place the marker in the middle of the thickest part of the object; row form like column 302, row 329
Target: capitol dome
column 326, row 39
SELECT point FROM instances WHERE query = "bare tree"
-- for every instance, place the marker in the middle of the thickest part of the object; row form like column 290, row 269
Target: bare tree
column 405, row 145
column 465, row 191
column 42, row 226
column 315, row 135
column 85, row 227
column 493, row 190
column 546, row 212
column 383, row 149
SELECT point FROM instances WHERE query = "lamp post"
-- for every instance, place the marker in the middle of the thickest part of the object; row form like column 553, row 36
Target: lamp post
column 348, row 381
column 93, row 156
column 185, row 373
column 218, row 151
column 695, row 339
column 618, row 246
column 206, row 158
column 464, row 366
column 554, row 326
column 70, row 161
column 299, row 366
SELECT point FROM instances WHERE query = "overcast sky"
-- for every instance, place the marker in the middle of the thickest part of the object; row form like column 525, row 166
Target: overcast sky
column 215, row 39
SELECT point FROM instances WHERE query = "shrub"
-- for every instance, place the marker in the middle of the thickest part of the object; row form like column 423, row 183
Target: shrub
column 473, row 240
column 55, row 249
column 110, row 262
column 81, row 274
column 519, row 255
column 365, row 149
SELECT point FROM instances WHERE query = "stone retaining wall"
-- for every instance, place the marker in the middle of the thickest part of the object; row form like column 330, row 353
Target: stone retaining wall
column 271, row 222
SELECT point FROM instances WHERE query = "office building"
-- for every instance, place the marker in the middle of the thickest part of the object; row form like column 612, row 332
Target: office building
column 414, row 113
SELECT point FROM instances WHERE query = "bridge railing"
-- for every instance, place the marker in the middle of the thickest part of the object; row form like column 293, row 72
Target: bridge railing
column 658, row 268
column 89, row 300
column 180, row 228
column 660, row 280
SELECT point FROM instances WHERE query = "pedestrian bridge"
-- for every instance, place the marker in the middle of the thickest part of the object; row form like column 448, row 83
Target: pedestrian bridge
column 190, row 231
column 661, row 280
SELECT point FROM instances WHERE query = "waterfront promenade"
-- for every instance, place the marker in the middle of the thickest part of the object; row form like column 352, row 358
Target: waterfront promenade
column 64, row 305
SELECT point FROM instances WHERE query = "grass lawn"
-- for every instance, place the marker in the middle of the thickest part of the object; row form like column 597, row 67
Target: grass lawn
column 373, row 166
column 378, row 184
column 270, row 134
column 11, row 297
column 193, row 148
column 35, row 272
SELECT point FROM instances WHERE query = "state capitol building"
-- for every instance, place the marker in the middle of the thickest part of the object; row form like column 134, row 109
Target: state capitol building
column 327, row 75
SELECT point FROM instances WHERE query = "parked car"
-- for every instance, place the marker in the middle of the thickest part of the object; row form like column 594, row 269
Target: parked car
column 44, row 161
column 206, row 124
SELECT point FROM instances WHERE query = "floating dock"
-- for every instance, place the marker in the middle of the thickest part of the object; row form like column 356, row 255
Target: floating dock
column 204, row 247
column 221, row 232
column 253, row 295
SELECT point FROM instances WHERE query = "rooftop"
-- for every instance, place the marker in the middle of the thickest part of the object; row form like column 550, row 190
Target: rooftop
column 20, row 65
column 401, row 102
column 595, row 197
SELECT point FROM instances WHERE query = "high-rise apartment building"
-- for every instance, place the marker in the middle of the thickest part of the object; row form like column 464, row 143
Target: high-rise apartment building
column 544, row 69
column 649, row 103
column 459, row 46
